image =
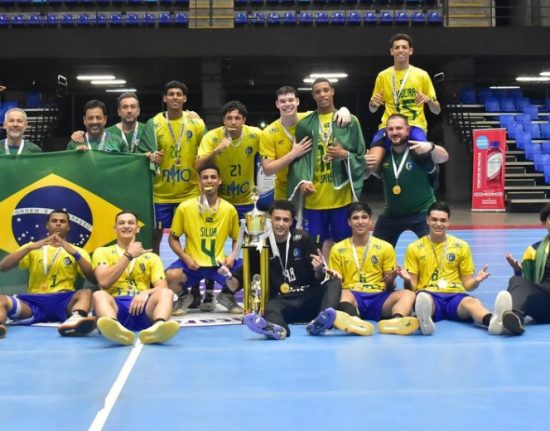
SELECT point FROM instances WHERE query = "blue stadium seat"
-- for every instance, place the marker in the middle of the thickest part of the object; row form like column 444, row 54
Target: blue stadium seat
column 541, row 160
column 521, row 102
column 289, row 2
column 117, row 2
column 524, row 120
column 115, row 19
column 181, row 19
column 321, row 18
column 67, row 20
column 132, row 20
column 181, row 2
column 7, row 2
column 4, row 20
column 241, row 19
column 35, row 20
column 402, row 18
column 53, row 2
column 165, row 2
column 133, row 2
column 534, row 129
column 289, row 18
column 101, row 20
column 335, row 2
column 350, row 2
column 434, row 18
column 18, row 20
column 545, row 148
column 319, row 2
column 257, row 19
column 272, row 2
column 102, row 2
column 354, row 18
column 429, row 2
column 530, row 150
column 515, row 92
column 366, row 2
column 338, row 18
column 522, row 138
column 545, row 130
column 256, row 2
column 492, row 104
column 396, row 2
column 513, row 129
column 273, row 19
column 148, row 19
column 86, row 2
column 386, row 18
column 370, row 18
column 52, row 20
column 530, row 110
column 306, row 18
column 165, row 18
column 84, row 20
column 483, row 93
column 23, row 2
column 500, row 92
column 506, row 120
column 71, row 2
column 412, row 2
column 468, row 96
column 418, row 18
column 241, row 2
column 507, row 104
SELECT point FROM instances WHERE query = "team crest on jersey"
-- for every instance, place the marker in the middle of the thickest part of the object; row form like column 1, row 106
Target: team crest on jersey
column 296, row 252
column 215, row 140
column 142, row 267
column 248, row 151
column 209, row 220
column 409, row 165
column 252, row 136
column 451, row 257
column 189, row 134
column 385, row 165
column 377, row 246
column 374, row 260
column 297, row 237
column 67, row 261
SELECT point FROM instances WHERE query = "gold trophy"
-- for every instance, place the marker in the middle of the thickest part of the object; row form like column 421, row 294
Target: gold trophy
column 254, row 230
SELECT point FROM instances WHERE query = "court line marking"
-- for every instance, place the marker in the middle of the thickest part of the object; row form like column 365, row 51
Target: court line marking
column 111, row 398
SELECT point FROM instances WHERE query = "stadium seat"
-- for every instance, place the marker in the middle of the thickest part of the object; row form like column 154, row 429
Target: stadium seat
column 241, row 2
column 547, row 103
column 256, row 2
column 181, row 19
column 530, row 150
column 522, row 139
column 321, row 18
column 181, row 2
column 148, row 19
column 273, row 19
column 515, row 92
column 500, row 92
column 7, row 2
column 507, row 104
column 86, row 2
column 18, row 20
column 545, row 147
column 23, row 2
column 165, row 2
column 434, row 18
column 547, row 174
column 354, row 18
column 402, row 18
column 101, row 20
column 366, row 2
column 524, row 120
column 334, row 2
column 165, row 18
column 67, row 20
column 338, row 18
column 272, row 2
column 319, row 2
column 35, row 20
column 10, row 104
column 530, row 110
column 483, row 93
column 534, row 129
column 468, row 96
column 115, row 19
column 396, row 2
column 241, row 19
column 257, row 19
column 492, row 104
column 412, row 2
column 102, row 2
column 545, row 130
column 131, row 20
column 51, row 19
column 289, row 2
column 84, row 20
column 4, row 20
column 350, row 2
column 71, row 2
column 505, row 120
column 289, row 18
column 306, row 18
column 53, row 2
column 418, row 18
column 513, row 129
column 521, row 102
column 134, row 2
column 541, row 160
column 370, row 18
column 386, row 18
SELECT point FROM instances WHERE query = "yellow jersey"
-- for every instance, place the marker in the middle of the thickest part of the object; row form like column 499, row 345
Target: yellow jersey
column 369, row 277
column 418, row 79
column 236, row 163
column 439, row 267
column 140, row 274
column 206, row 230
column 61, row 269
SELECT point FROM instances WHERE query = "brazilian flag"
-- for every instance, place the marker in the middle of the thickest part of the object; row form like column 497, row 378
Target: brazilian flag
column 91, row 186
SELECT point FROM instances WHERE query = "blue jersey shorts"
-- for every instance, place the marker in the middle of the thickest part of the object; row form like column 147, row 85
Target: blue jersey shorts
column 133, row 323
column 446, row 305
column 370, row 304
column 209, row 273
column 164, row 214
column 327, row 224
column 46, row 307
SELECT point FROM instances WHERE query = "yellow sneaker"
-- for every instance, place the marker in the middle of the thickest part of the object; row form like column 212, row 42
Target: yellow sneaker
column 353, row 324
column 114, row 331
column 159, row 332
column 398, row 325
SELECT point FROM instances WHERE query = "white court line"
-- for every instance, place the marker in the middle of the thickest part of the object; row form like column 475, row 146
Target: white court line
column 103, row 414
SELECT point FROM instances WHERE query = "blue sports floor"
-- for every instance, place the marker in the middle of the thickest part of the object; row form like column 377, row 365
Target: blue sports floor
column 228, row 378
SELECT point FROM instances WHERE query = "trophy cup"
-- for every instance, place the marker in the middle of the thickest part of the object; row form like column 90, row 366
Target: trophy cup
column 254, row 229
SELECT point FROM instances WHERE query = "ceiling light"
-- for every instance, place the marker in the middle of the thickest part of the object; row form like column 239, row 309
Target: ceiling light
column 304, row 88
column 328, row 75
column 121, row 90
column 109, row 82
column 504, row 87
column 311, row 80
column 94, row 77
column 533, row 78
column 545, row 74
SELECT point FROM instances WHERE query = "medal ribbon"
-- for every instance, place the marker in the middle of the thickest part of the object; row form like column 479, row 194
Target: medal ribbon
column 394, row 89
column 238, row 142
column 134, row 137
column 101, row 143
column 47, row 266
column 285, row 271
column 203, row 206
column 180, row 140
column 442, row 263
column 356, row 259
column 287, row 133
column 19, row 151
column 397, row 171
column 325, row 137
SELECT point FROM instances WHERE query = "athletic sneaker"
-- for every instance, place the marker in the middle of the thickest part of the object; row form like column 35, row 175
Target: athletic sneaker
column 114, row 331
column 503, row 303
column 3, row 331
column 159, row 332
column 423, row 309
column 512, row 321
column 259, row 325
column 196, row 293
column 399, row 325
column 325, row 320
column 77, row 326
column 353, row 324
column 184, row 301
column 228, row 301
column 209, row 301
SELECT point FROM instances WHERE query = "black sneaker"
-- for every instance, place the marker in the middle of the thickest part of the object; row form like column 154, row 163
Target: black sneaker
column 209, row 301
column 196, row 293
column 513, row 322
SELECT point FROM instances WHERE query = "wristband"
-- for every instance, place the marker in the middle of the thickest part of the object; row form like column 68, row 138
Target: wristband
column 77, row 256
column 433, row 146
column 518, row 273
column 128, row 255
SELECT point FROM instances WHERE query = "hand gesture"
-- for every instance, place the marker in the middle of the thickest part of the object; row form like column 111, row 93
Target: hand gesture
column 78, row 137
column 378, row 99
column 192, row 115
column 336, row 151
column 229, row 260
column 483, row 274
column 342, row 118
column 156, row 157
column 138, row 303
column 307, row 189
column 516, row 266
column 135, row 249
column 224, row 144
column 317, row 261
column 82, row 148
column 370, row 160
column 190, row 263
column 301, row 148
column 223, row 270
column 420, row 147
column 421, row 98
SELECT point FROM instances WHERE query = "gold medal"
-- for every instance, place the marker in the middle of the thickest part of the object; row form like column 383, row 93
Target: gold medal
column 327, row 159
column 396, row 189
column 285, row 288
column 442, row 284
column 43, row 287
column 177, row 162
